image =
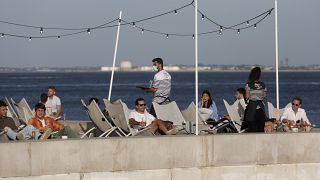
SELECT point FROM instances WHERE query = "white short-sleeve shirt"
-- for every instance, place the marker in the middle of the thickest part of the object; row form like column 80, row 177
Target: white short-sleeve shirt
column 147, row 117
column 51, row 105
column 161, row 81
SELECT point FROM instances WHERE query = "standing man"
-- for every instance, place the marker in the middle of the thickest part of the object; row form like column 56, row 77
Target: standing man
column 53, row 104
column 161, row 85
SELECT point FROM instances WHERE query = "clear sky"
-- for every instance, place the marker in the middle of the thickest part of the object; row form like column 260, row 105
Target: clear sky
column 299, row 29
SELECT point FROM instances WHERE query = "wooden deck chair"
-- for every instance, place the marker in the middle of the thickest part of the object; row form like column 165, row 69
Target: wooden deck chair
column 99, row 120
column 234, row 115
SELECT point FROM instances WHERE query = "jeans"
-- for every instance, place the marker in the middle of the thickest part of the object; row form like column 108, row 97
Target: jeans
column 27, row 132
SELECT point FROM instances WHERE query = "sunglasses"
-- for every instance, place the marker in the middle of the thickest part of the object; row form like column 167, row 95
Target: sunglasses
column 141, row 105
column 293, row 104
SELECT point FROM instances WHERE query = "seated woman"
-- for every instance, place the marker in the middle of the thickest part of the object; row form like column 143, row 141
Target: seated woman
column 207, row 103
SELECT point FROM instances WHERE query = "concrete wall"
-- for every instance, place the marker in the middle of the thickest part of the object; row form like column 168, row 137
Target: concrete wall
column 247, row 156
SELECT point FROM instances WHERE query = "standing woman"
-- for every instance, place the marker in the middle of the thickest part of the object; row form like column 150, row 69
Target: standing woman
column 207, row 102
column 254, row 118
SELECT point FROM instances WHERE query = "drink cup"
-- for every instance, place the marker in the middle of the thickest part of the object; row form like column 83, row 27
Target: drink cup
column 33, row 135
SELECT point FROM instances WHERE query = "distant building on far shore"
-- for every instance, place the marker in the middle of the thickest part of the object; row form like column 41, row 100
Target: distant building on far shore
column 125, row 66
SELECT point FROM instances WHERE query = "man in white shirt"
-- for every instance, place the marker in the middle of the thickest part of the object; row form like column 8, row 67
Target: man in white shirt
column 161, row 84
column 140, row 118
column 53, row 104
column 295, row 115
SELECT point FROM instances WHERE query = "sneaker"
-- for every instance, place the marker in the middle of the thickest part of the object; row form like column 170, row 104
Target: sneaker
column 46, row 134
column 20, row 136
column 174, row 131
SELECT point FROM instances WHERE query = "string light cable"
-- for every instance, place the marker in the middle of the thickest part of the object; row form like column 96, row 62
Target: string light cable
column 236, row 27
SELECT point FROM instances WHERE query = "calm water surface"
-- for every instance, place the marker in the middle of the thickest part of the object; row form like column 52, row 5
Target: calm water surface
column 71, row 87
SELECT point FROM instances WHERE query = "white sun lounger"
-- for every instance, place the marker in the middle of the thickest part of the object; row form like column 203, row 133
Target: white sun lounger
column 234, row 115
column 169, row 112
column 274, row 112
column 119, row 113
column 23, row 110
column 189, row 115
column 99, row 120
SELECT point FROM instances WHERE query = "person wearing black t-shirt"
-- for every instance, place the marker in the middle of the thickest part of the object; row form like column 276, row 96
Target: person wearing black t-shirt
column 254, row 118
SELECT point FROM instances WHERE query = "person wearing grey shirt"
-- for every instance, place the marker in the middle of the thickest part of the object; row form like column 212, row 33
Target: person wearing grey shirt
column 161, row 85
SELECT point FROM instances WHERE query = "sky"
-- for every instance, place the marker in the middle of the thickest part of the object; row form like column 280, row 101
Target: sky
column 299, row 28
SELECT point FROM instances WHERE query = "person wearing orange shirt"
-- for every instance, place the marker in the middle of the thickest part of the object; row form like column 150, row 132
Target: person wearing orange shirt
column 43, row 123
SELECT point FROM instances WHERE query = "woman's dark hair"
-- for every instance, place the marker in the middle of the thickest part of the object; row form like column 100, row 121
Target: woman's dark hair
column 242, row 91
column 43, row 98
column 254, row 75
column 210, row 99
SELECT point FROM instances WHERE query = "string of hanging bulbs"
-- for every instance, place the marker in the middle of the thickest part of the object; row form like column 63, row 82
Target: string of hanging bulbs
column 252, row 22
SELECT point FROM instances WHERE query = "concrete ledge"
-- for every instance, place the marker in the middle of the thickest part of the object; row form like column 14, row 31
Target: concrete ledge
column 81, row 156
column 255, row 172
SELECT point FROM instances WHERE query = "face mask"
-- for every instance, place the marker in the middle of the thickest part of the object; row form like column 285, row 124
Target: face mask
column 154, row 68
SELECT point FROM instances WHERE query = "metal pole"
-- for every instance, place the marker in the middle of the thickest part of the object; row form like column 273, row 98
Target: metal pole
column 196, row 62
column 277, row 51
column 115, row 56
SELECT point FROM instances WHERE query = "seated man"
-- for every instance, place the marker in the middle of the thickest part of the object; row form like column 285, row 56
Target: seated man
column 295, row 116
column 43, row 123
column 7, row 125
column 140, row 118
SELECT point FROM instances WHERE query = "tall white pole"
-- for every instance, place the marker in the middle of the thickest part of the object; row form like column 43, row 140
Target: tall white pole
column 277, row 51
column 114, row 56
column 196, row 61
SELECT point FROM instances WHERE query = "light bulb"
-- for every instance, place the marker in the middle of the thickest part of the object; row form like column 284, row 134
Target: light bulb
column 30, row 38
column 221, row 28
column 2, row 35
column 142, row 31
column 248, row 23
column 192, row 36
column 202, row 16
column 255, row 25
column 238, row 31
column 175, row 12
column 88, row 31
column 220, row 32
column 59, row 37
column 134, row 24
column 41, row 30
column 167, row 36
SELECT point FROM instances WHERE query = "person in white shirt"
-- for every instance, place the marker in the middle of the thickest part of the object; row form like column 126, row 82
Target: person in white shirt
column 140, row 118
column 53, row 104
column 295, row 115
column 161, row 85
